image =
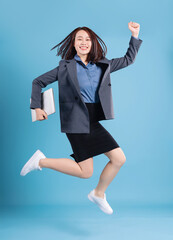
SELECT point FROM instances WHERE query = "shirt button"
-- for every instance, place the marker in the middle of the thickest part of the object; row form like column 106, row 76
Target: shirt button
column 76, row 98
column 109, row 84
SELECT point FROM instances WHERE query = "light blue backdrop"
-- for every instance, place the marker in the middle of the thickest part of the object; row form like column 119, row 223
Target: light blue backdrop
column 142, row 95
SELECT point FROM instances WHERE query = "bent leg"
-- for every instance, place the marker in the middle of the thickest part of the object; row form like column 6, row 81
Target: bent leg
column 117, row 159
column 68, row 166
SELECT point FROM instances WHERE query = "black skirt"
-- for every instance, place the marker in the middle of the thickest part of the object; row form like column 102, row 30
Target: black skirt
column 98, row 141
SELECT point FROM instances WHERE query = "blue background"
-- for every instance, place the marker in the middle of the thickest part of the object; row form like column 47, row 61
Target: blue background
column 142, row 95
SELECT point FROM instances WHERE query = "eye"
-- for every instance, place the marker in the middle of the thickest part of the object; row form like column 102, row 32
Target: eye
column 81, row 39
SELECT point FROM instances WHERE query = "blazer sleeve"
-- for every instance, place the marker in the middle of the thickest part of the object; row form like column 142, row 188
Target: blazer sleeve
column 129, row 57
column 41, row 82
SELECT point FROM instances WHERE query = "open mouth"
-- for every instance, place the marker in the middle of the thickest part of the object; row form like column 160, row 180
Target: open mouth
column 83, row 48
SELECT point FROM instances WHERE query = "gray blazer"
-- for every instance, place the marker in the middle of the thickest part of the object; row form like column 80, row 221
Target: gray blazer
column 74, row 116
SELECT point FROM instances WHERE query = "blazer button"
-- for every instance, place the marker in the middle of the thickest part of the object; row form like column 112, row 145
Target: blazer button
column 109, row 84
column 76, row 98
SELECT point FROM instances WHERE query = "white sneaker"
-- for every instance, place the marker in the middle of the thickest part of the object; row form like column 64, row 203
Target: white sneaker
column 33, row 163
column 101, row 202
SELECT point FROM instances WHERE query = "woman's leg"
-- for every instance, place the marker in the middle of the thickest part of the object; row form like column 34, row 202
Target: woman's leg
column 117, row 159
column 68, row 166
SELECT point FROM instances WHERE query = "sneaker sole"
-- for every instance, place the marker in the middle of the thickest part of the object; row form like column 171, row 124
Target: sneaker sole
column 31, row 160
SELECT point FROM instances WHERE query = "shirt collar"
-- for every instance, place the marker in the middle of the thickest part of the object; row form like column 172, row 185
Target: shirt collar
column 79, row 59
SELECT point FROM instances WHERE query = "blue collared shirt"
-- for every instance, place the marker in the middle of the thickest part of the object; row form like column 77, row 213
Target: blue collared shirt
column 89, row 78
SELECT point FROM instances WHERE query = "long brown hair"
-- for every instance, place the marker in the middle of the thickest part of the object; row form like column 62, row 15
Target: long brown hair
column 68, row 51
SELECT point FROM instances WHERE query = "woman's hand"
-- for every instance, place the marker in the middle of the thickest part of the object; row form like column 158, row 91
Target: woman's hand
column 134, row 28
column 40, row 114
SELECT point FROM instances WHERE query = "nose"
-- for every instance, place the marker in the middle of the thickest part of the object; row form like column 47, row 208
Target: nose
column 83, row 42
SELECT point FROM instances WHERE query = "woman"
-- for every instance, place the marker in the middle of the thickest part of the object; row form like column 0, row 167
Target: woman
column 83, row 55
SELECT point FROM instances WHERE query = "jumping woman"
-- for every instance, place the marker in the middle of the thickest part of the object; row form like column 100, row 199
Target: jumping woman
column 85, row 98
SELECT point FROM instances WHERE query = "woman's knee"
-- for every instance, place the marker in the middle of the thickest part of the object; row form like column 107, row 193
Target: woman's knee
column 86, row 168
column 116, row 156
column 120, row 161
column 87, row 174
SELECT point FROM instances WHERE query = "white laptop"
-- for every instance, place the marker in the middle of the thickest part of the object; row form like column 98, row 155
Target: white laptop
column 47, row 103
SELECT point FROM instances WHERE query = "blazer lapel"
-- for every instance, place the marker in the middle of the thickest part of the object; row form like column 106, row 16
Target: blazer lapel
column 105, row 62
column 71, row 66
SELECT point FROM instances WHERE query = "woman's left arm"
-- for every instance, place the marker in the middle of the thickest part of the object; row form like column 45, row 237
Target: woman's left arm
column 134, row 45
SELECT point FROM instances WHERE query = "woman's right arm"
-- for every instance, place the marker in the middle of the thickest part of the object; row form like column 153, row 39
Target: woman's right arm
column 41, row 82
column 37, row 84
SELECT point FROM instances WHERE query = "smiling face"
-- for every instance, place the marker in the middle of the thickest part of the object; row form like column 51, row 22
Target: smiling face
column 82, row 43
